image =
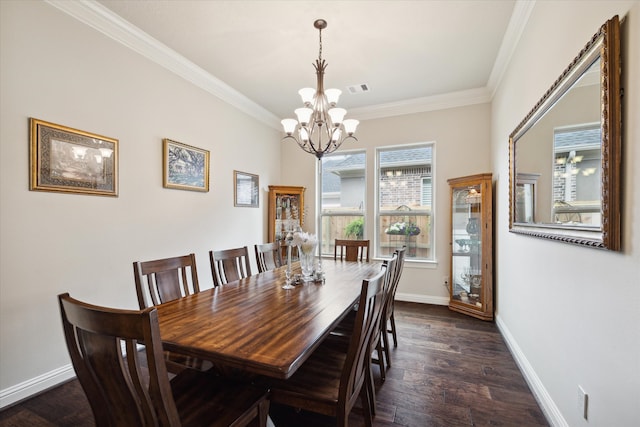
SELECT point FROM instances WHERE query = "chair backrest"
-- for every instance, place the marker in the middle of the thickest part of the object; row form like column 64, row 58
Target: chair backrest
column 391, row 269
column 367, row 319
column 166, row 279
column 229, row 264
column 395, row 275
column 390, row 265
column 102, row 343
column 268, row 256
column 351, row 250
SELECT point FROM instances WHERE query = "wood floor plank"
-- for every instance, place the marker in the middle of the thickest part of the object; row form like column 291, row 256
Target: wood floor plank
column 23, row 418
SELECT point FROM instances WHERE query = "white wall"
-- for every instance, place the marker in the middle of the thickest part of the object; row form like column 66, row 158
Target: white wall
column 56, row 69
column 462, row 139
column 571, row 314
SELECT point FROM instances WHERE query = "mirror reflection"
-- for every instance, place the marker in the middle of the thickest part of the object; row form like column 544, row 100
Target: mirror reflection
column 559, row 159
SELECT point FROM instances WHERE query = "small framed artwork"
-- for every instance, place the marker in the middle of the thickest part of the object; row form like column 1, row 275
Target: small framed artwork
column 69, row 160
column 246, row 189
column 185, row 167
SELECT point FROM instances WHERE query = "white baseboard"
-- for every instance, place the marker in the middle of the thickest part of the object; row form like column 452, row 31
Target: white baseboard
column 36, row 385
column 549, row 408
column 424, row 299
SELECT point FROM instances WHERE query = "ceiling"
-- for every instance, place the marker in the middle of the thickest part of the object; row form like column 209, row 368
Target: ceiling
column 411, row 54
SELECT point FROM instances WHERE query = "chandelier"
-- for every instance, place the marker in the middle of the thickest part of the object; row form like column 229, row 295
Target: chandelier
column 320, row 128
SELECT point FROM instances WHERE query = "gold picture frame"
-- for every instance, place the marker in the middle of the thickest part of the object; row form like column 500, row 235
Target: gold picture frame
column 184, row 167
column 246, row 190
column 67, row 160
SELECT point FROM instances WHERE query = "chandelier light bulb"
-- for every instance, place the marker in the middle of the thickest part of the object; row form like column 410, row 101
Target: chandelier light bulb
column 337, row 114
column 304, row 115
column 332, row 96
column 289, row 125
column 307, row 94
column 350, row 126
column 304, row 135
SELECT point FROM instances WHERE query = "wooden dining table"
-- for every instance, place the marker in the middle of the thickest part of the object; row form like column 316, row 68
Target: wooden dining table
column 258, row 327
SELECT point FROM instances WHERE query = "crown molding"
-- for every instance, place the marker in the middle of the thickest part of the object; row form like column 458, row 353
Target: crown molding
column 115, row 27
column 517, row 23
column 424, row 104
column 112, row 25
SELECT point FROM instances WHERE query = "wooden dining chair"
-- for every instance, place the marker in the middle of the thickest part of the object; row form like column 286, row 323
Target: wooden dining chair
column 129, row 387
column 345, row 328
column 331, row 381
column 377, row 339
column 268, row 256
column 389, row 321
column 165, row 280
column 229, row 265
column 351, row 250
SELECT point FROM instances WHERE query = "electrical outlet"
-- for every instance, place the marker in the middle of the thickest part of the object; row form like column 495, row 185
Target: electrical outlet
column 445, row 281
column 583, row 402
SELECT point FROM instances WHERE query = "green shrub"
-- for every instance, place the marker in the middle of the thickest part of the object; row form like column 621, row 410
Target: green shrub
column 355, row 229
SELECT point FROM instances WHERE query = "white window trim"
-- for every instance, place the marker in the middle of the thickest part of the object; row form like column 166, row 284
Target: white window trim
column 419, row 263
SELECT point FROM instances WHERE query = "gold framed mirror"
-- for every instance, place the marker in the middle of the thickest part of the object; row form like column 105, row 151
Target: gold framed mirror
column 564, row 157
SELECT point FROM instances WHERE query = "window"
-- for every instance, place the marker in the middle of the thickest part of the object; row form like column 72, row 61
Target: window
column 405, row 201
column 426, row 192
column 343, row 198
column 576, row 176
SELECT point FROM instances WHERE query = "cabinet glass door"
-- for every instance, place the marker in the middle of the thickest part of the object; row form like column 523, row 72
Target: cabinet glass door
column 467, row 245
column 287, row 214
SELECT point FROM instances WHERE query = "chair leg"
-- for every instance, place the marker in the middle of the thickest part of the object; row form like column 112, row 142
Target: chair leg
column 383, row 373
column 393, row 330
column 368, row 403
column 387, row 350
column 371, row 390
column 263, row 413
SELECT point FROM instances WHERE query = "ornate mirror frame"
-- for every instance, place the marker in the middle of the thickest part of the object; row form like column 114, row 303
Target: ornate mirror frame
column 605, row 46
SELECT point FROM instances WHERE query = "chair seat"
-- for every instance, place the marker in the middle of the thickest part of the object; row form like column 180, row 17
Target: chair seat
column 323, row 369
column 345, row 327
column 206, row 399
column 176, row 362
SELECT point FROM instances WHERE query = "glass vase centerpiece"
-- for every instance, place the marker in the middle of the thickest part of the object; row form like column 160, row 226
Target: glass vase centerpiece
column 306, row 244
column 289, row 278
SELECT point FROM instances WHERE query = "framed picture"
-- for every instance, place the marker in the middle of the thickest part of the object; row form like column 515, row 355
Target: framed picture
column 245, row 190
column 185, row 167
column 68, row 160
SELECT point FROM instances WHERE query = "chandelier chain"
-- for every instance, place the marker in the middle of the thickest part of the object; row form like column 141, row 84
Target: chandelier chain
column 320, row 49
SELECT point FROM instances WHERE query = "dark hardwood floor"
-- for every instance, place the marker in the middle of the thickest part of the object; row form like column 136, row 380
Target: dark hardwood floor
column 448, row 370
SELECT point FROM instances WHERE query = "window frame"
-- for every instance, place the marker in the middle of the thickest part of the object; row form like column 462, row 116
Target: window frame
column 330, row 212
column 378, row 213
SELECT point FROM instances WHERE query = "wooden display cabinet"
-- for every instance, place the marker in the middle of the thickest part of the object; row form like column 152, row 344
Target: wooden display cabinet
column 471, row 274
column 286, row 211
